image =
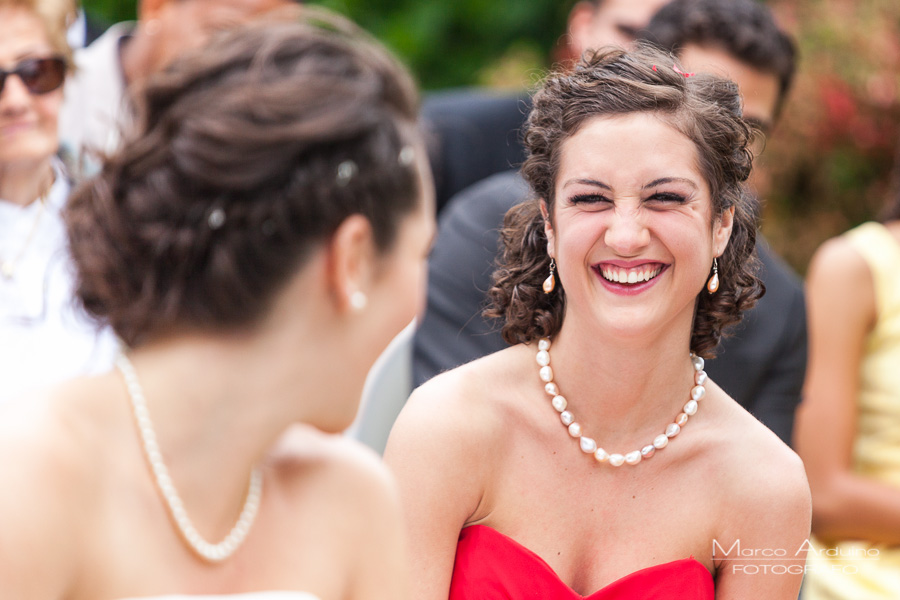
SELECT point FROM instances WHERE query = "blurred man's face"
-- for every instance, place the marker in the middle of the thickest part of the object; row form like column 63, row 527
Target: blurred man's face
column 759, row 89
column 759, row 93
column 612, row 23
column 187, row 24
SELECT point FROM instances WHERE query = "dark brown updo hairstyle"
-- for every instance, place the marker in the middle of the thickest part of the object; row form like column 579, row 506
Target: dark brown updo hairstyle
column 250, row 153
column 610, row 82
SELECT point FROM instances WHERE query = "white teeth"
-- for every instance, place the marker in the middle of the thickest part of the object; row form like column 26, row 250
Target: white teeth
column 630, row 277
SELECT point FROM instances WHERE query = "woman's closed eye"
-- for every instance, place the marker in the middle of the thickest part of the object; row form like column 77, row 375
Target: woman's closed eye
column 666, row 197
column 589, row 199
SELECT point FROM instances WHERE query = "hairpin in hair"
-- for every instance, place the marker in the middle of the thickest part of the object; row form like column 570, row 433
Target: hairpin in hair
column 345, row 172
column 216, row 218
column 677, row 70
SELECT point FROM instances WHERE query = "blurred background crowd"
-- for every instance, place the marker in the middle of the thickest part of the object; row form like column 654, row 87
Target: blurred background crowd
column 827, row 161
column 830, row 159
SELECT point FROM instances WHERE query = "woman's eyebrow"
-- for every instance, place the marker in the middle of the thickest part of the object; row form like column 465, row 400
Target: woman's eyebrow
column 664, row 180
column 592, row 182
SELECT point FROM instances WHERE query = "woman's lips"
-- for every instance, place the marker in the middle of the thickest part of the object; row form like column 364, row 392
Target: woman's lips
column 631, row 277
column 15, row 127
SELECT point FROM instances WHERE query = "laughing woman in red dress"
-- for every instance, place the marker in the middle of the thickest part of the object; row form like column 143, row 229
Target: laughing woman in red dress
column 616, row 468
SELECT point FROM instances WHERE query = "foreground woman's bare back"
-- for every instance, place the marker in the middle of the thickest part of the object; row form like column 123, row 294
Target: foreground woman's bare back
column 82, row 503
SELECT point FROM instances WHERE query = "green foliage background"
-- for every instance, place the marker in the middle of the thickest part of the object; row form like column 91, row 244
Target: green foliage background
column 446, row 43
column 457, row 43
column 110, row 11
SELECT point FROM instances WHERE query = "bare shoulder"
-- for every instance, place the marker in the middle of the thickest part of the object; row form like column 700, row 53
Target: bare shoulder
column 311, row 466
column 470, row 401
column 50, row 472
column 52, row 436
column 761, row 507
column 447, row 445
column 840, row 281
column 458, row 417
column 337, row 494
column 838, row 266
column 758, row 461
column 766, row 493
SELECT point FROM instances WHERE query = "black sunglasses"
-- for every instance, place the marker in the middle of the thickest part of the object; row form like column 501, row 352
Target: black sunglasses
column 40, row 75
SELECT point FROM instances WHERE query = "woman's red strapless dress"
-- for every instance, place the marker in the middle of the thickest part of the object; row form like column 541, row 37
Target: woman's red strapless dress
column 492, row 566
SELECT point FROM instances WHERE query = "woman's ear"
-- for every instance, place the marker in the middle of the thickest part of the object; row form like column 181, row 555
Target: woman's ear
column 351, row 263
column 722, row 231
column 548, row 229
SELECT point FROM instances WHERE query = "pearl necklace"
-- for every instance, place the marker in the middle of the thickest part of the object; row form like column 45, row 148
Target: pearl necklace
column 207, row 551
column 588, row 445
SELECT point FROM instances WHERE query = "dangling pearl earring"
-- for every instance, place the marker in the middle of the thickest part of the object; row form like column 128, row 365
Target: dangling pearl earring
column 713, row 284
column 550, row 282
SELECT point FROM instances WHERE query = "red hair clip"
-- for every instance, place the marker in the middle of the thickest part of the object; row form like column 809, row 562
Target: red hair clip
column 677, row 70
column 680, row 72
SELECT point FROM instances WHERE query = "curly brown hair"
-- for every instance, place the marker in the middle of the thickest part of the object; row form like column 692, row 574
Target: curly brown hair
column 250, row 153
column 607, row 82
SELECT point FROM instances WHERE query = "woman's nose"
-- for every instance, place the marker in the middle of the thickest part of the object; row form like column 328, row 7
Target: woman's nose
column 626, row 234
column 14, row 95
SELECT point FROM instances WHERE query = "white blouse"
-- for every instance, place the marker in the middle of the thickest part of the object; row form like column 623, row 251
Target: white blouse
column 45, row 337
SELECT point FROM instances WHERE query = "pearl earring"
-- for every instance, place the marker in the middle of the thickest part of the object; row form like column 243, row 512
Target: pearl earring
column 550, row 283
column 152, row 27
column 358, row 300
column 713, row 284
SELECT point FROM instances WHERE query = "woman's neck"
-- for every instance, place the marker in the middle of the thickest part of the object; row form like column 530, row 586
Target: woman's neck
column 617, row 387
column 23, row 184
column 216, row 413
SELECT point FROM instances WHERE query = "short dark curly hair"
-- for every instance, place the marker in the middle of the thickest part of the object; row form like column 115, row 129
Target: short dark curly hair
column 608, row 82
column 746, row 29
column 250, row 152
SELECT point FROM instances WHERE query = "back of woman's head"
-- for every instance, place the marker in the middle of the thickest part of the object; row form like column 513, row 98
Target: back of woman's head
column 611, row 82
column 249, row 154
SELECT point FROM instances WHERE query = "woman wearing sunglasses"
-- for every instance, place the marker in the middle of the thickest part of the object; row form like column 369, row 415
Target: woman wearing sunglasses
column 44, row 339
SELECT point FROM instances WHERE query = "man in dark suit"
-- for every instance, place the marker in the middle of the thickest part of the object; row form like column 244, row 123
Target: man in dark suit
column 762, row 366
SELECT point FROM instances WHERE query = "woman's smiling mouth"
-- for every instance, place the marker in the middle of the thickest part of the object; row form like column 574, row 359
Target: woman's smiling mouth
column 629, row 276
column 628, row 279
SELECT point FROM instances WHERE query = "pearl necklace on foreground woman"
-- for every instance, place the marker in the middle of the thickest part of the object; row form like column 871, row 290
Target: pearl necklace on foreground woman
column 589, row 445
column 207, row 551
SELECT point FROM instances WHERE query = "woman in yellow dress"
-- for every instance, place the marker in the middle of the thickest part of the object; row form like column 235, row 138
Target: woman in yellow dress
column 848, row 428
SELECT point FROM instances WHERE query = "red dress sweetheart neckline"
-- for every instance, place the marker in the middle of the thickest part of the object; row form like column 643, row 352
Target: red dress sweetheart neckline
column 491, row 565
